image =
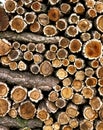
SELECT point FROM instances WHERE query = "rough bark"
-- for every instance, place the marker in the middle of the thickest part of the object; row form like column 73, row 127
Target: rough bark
column 28, row 80
column 20, row 123
column 28, row 37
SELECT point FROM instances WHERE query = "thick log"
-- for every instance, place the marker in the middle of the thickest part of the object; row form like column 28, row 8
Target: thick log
column 28, row 37
column 19, row 122
column 28, row 80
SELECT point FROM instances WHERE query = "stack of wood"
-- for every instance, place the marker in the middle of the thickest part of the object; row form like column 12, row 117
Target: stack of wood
column 51, row 57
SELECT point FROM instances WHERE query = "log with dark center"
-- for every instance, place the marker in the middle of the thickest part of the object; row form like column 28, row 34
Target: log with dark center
column 28, row 37
column 28, row 80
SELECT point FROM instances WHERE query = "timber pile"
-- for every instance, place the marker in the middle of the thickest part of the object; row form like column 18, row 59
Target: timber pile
column 51, row 58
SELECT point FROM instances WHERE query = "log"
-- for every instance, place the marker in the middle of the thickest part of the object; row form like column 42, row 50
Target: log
column 19, row 122
column 28, row 37
column 28, row 80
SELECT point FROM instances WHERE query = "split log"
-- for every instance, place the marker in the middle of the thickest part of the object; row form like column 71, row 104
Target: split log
column 28, row 37
column 19, row 122
column 28, row 80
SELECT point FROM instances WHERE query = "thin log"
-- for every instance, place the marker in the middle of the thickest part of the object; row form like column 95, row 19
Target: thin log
column 28, row 80
column 19, row 122
column 28, row 37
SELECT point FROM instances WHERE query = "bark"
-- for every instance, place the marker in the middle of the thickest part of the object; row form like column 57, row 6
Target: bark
column 20, row 123
column 28, row 80
column 3, row 127
column 28, row 37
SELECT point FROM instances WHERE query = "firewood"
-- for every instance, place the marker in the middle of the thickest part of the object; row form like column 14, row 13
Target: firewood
column 53, row 96
column 30, row 17
column 28, row 55
column 89, row 71
column 89, row 113
column 88, row 92
column 28, row 37
column 47, row 127
column 71, row 31
column 18, row 94
column 60, row 103
column 99, row 125
column 34, row 68
column 35, row 95
column 46, row 68
column 10, row 6
column 99, row 72
column 49, row 121
column 49, row 30
column 4, row 107
column 61, row 24
column 13, row 113
column 15, row 55
column 4, row 89
column 51, row 74
column 62, row 53
column 27, row 110
column 22, row 66
column 75, row 48
column 90, row 3
column 50, row 55
column 53, row 48
column 65, row 8
column 78, row 99
column 63, row 119
column 74, row 18
column 20, row 10
column 95, row 103
column 66, row 127
column 17, row 23
column 56, row 126
column 38, row 58
column 31, row 46
column 91, row 13
column 99, row 7
column 95, row 46
column 72, row 111
column 5, row 47
column 52, row 108
column 64, row 42
column 44, row 83
column 86, row 124
column 54, row 14
column 100, row 89
column 40, row 47
column 79, row 8
column 43, row 19
column 4, row 19
column 67, row 93
column 19, row 122
column 5, row 60
column 77, row 85
column 91, row 82
column 16, row 45
column 85, row 36
column 35, row 27
column 23, row 47
column 42, row 114
column 57, row 63
column 73, row 123
column 38, row 7
column 66, row 82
